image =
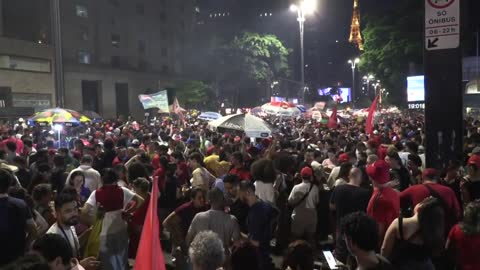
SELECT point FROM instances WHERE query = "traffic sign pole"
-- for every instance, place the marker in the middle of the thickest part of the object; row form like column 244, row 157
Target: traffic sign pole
column 443, row 83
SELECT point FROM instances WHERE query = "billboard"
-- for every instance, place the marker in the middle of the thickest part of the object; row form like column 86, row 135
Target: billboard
column 416, row 89
column 344, row 94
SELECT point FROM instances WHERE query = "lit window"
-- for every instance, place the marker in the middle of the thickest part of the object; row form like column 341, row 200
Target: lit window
column 84, row 57
column 115, row 40
column 271, row 14
column 82, row 11
column 211, row 15
column 197, row 9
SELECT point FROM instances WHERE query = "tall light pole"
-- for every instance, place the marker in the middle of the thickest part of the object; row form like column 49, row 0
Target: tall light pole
column 368, row 78
column 58, row 59
column 304, row 8
column 353, row 63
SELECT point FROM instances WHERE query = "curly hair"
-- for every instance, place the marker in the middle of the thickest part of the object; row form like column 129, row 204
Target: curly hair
column 207, row 251
column 263, row 170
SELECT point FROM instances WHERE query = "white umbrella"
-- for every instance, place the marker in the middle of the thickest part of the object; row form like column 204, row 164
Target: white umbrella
column 253, row 126
column 209, row 116
column 281, row 109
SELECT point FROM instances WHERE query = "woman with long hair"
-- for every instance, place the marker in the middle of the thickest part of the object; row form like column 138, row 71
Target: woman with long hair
column 77, row 181
column 464, row 239
column 410, row 243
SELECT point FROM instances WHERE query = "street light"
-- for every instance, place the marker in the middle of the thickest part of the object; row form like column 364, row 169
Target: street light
column 353, row 63
column 368, row 78
column 304, row 8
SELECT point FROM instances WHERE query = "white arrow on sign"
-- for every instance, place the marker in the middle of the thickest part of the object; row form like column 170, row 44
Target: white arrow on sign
column 442, row 24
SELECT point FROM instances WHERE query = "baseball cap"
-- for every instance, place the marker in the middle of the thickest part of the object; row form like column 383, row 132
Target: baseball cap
column 237, row 139
column 474, row 160
column 306, row 172
column 476, row 151
column 210, row 150
column 343, row 158
column 430, row 173
column 136, row 142
column 379, row 172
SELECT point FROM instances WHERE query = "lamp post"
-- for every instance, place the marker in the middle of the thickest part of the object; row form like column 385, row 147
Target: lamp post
column 304, row 8
column 353, row 63
column 368, row 78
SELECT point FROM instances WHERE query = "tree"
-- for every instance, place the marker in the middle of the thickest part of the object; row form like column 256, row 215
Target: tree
column 192, row 94
column 393, row 42
column 249, row 63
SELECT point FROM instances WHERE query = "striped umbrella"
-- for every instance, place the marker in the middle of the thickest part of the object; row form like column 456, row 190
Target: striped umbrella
column 59, row 116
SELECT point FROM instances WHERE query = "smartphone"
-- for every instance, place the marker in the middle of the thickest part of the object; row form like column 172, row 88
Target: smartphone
column 332, row 263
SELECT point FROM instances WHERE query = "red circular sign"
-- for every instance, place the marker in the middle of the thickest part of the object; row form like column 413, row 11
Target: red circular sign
column 440, row 3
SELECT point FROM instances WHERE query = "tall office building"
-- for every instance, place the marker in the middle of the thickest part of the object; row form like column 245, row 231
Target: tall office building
column 112, row 51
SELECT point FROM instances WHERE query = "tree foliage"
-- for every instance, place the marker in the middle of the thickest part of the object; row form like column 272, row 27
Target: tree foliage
column 393, row 42
column 250, row 62
column 193, row 94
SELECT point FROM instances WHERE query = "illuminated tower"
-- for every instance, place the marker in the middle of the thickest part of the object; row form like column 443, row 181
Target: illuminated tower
column 355, row 33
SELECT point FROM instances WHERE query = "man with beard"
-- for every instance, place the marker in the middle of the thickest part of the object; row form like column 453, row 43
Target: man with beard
column 66, row 209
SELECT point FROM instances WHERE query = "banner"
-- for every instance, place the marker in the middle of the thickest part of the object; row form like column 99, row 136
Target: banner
column 158, row 100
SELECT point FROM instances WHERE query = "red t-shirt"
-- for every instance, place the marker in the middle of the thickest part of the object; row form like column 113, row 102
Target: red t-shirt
column 467, row 248
column 417, row 193
column 384, row 205
column 156, row 161
column 242, row 173
column 160, row 173
column 116, row 161
column 182, row 173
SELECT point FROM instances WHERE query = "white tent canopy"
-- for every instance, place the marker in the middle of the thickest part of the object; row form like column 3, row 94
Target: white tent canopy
column 253, row 126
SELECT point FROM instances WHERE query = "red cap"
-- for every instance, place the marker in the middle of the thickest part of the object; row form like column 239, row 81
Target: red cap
column 226, row 135
column 210, row 150
column 306, row 172
column 430, row 173
column 343, row 158
column 237, row 139
column 379, row 172
column 474, row 160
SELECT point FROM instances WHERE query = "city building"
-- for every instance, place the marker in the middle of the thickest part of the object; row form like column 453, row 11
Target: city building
column 26, row 58
column 113, row 50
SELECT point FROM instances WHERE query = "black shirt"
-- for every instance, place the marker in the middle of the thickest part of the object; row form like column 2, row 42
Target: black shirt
column 348, row 199
column 259, row 221
column 403, row 177
column 239, row 210
column 14, row 214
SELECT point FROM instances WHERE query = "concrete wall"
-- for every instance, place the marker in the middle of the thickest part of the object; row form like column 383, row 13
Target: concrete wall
column 137, row 84
column 25, row 81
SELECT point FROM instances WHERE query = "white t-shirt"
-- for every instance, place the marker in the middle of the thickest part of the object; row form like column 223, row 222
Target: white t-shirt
column 300, row 190
column 265, row 191
column 93, row 180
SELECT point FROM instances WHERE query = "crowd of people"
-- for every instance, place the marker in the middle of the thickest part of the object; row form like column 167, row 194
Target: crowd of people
column 229, row 201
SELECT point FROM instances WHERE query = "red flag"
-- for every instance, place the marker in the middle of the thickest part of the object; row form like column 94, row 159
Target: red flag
column 332, row 121
column 149, row 253
column 371, row 113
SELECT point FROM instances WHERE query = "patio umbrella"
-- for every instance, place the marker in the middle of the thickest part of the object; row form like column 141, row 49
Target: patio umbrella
column 281, row 109
column 209, row 116
column 252, row 126
column 93, row 115
column 59, row 116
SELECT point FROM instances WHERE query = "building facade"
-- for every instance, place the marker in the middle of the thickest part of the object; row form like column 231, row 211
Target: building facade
column 26, row 59
column 113, row 50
